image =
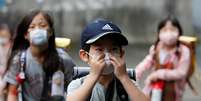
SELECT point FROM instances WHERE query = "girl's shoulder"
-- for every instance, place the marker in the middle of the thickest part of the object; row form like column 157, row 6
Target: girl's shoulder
column 65, row 56
column 184, row 49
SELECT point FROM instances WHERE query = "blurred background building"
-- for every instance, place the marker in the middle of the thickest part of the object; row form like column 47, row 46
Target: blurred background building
column 137, row 18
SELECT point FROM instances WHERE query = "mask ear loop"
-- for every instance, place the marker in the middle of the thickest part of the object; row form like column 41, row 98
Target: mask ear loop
column 89, row 55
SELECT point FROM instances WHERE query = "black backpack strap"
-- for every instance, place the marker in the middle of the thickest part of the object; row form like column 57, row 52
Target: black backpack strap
column 121, row 92
column 46, row 95
column 110, row 91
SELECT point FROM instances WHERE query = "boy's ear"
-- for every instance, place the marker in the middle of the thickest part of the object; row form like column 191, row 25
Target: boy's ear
column 83, row 55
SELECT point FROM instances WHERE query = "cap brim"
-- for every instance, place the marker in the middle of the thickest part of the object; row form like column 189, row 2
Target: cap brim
column 122, row 39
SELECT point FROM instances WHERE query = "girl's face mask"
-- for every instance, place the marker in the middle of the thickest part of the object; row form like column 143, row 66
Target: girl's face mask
column 38, row 37
column 4, row 37
column 39, row 31
column 169, row 37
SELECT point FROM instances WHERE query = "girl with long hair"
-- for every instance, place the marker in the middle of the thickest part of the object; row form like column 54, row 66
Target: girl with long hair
column 168, row 60
column 35, row 38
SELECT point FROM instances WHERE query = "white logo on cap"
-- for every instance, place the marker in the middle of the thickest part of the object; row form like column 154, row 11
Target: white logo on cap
column 107, row 27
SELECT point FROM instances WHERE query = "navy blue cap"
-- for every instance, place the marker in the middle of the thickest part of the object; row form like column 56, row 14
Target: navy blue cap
column 100, row 28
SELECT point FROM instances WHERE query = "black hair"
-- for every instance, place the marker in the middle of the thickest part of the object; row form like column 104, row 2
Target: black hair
column 52, row 61
column 86, row 47
column 162, row 24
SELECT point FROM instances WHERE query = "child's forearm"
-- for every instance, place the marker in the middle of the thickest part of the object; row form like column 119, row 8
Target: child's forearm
column 83, row 92
column 143, row 66
column 12, row 93
column 132, row 90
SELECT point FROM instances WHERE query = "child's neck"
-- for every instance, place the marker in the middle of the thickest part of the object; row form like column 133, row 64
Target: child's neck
column 36, row 52
column 168, row 47
column 105, row 80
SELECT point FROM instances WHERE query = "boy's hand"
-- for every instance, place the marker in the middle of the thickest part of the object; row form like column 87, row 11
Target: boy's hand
column 119, row 67
column 97, row 64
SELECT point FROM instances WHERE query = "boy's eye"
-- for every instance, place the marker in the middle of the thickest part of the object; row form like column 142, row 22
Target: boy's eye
column 99, row 49
column 114, row 49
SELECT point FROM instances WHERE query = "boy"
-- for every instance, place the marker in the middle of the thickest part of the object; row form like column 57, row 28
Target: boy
column 101, row 48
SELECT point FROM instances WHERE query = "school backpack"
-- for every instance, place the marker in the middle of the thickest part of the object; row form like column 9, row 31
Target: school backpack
column 190, row 42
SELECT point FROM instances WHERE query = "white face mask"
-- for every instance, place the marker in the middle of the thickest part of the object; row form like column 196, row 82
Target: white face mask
column 3, row 41
column 169, row 38
column 108, row 67
column 38, row 37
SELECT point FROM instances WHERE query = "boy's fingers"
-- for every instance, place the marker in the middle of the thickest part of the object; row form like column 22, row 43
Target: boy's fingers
column 102, row 62
column 96, row 58
column 99, row 57
column 116, row 61
column 115, row 64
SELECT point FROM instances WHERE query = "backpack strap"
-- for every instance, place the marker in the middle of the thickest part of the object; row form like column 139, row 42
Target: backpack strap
column 21, row 76
column 121, row 92
column 23, row 61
